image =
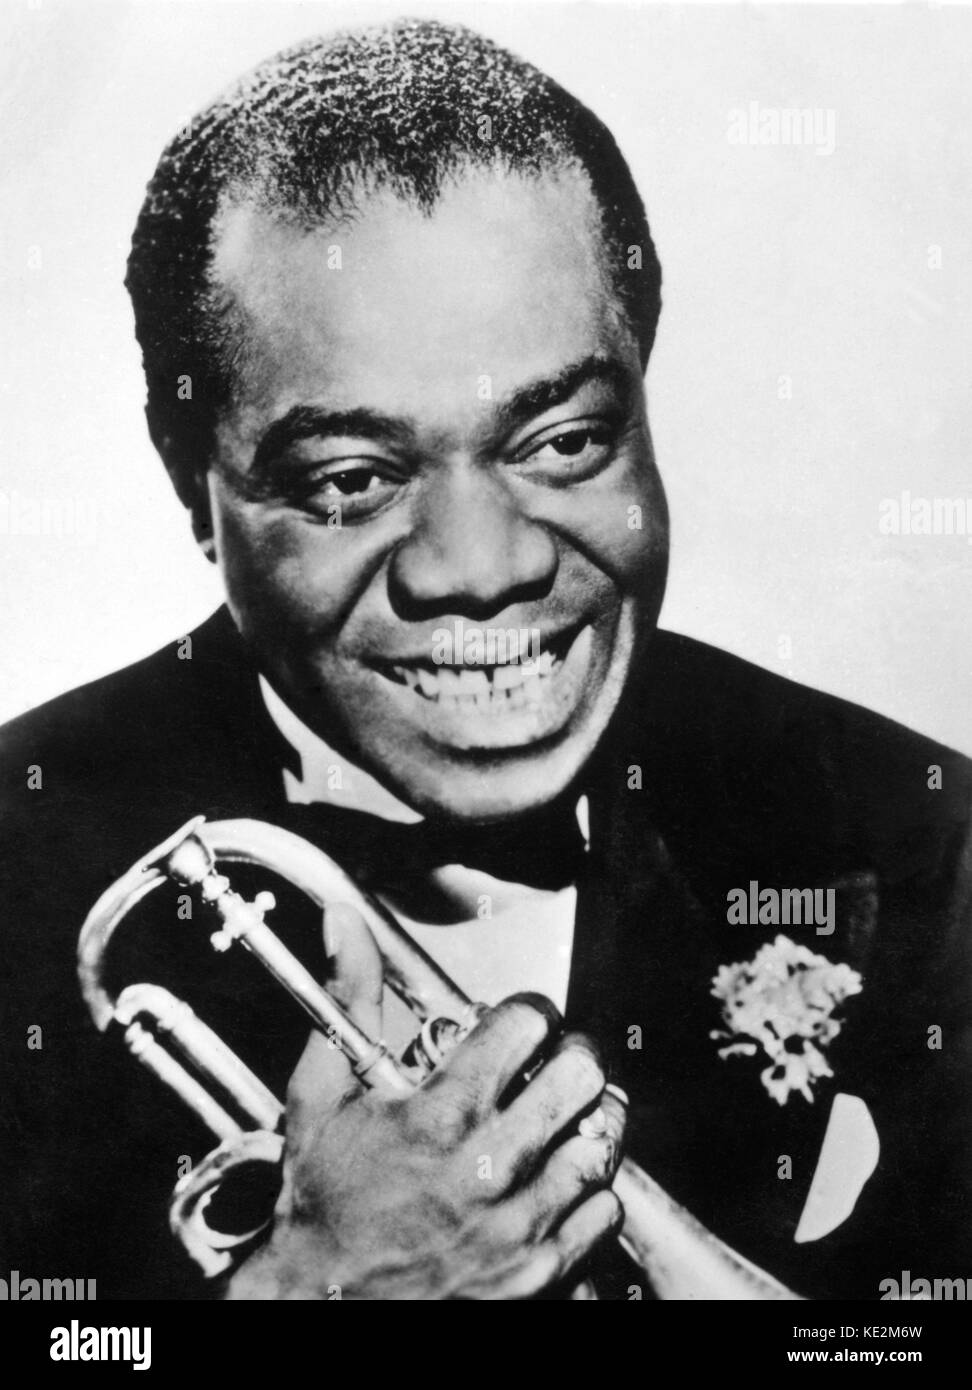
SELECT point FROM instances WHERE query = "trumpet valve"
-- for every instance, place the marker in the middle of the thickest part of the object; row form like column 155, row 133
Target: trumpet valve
column 436, row 1038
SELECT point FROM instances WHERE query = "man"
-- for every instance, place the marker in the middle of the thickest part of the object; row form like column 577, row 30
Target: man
column 395, row 294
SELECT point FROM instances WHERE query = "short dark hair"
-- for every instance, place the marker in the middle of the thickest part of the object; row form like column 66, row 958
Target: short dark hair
column 307, row 133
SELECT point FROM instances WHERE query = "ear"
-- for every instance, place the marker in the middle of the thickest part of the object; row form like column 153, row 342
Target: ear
column 202, row 522
column 191, row 489
column 194, row 494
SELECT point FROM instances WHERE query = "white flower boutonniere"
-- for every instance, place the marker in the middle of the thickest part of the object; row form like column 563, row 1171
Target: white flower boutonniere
column 783, row 1000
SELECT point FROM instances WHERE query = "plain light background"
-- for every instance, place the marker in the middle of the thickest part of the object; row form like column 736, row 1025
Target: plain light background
column 779, row 262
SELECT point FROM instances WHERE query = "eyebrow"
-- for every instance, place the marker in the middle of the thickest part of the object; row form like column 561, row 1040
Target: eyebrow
column 315, row 422
column 539, row 396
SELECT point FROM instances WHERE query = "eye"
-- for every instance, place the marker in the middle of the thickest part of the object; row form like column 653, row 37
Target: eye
column 358, row 487
column 569, row 444
column 351, row 481
column 570, row 452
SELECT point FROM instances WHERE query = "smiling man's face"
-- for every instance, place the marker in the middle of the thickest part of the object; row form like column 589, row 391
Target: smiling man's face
column 463, row 394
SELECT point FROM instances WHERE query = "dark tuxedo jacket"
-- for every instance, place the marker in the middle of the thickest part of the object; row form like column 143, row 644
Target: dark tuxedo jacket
column 713, row 774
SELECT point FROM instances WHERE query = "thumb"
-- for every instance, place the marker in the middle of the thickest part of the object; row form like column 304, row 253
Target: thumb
column 355, row 979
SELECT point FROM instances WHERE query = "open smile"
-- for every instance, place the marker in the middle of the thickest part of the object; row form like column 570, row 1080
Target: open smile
column 496, row 704
column 503, row 681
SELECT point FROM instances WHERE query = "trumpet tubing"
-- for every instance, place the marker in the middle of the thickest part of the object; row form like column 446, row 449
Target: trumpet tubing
column 680, row 1258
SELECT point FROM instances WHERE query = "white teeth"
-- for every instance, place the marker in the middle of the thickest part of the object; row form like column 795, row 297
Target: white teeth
column 540, row 665
column 472, row 683
column 545, row 663
column 428, row 684
column 533, row 690
column 407, row 674
column 486, row 689
column 506, row 677
column 448, row 682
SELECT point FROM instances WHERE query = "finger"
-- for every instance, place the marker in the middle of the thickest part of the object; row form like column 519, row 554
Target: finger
column 573, row 1171
column 570, row 1083
column 581, row 1162
column 323, row 1075
column 355, row 972
column 594, row 1221
column 584, row 1291
column 504, row 1044
column 552, row 1261
column 607, row 1121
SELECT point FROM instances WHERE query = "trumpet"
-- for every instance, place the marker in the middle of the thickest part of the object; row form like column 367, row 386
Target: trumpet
column 679, row 1257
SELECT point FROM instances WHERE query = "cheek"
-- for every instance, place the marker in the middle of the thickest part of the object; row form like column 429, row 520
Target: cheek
column 642, row 546
column 276, row 568
column 620, row 525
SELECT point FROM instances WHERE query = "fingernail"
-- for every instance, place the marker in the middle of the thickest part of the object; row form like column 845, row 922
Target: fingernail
column 593, row 1126
column 617, row 1092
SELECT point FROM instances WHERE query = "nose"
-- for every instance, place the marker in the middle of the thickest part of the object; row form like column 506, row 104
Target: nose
column 472, row 550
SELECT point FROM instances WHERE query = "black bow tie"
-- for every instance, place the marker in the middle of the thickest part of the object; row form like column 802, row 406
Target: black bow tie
column 544, row 849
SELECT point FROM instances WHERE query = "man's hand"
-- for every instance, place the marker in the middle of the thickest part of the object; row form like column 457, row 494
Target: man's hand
column 450, row 1192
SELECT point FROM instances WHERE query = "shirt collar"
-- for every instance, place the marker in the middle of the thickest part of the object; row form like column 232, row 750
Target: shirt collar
column 326, row 776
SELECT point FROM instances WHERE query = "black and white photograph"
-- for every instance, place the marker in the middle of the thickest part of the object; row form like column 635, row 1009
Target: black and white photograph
column 485, row 683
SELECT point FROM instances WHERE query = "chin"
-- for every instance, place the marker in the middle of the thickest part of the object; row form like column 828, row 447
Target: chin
column 488, row 785
column 490, row 793
column 499, row 791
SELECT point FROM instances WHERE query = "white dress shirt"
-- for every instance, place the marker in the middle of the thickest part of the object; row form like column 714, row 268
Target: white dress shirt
column 506, row 937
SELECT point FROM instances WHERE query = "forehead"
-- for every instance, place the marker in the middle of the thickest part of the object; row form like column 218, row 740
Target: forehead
column 505, row 278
